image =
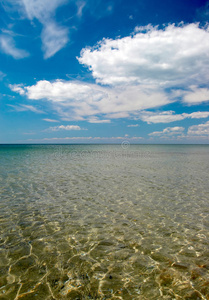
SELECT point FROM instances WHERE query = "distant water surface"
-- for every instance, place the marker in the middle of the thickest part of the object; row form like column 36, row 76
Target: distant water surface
column 104, row 222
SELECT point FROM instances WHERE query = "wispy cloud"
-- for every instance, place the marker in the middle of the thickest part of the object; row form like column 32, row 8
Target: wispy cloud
column 203, row 12
column 80, row 6
column 7, row 45
column 97, row 121
column 51, row 120
column 23, row 107
column 54, row 36
column 2, row 75
column 41, row 10
column 99, row 8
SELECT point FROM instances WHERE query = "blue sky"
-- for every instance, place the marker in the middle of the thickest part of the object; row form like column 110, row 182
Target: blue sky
column 99, row 71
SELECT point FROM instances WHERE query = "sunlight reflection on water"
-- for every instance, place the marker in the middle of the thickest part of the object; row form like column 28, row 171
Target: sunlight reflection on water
column 104, row 222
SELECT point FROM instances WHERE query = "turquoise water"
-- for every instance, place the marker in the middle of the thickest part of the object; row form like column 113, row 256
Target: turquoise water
column 104, row 222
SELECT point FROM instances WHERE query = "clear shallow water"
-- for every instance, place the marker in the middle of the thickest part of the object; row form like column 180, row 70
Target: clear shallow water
column 104, row 222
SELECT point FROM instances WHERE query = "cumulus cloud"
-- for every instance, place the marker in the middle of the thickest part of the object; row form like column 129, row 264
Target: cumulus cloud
column 75, row 100
column 54, row 37
column 201, row 129
column 169, row 56
column 169, row 131
column 148, row 69
column 7, row 45
column 60, row 91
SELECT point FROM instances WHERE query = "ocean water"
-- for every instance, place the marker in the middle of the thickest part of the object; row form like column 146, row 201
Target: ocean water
column 104, row 222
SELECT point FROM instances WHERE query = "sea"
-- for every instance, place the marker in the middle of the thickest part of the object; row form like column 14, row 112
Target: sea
column 104, row 222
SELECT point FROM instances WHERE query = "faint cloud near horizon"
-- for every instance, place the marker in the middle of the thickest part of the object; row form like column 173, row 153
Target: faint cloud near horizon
column 65, row 127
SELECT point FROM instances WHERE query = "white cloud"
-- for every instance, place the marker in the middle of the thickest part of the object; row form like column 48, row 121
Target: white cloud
column 199, row 114
column 51, row 120
column 80, row 6
column 170, row 56
column 136, row 68
column 75, row 100
column 18, row 88
column 7, row 45
column 133, row 125
column 54, row 37
column 169, row 116
column 196, row 95
column 24, row 107
column 39, row 9
column 201, row 129
column 62, row 91
column 32, row 108
column 67, row 127
column 169, row 131
column 145, row 28
column 160, row 117
column 96, row 120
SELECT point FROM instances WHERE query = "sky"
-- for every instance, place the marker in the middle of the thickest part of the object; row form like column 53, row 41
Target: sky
column 104, row 71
